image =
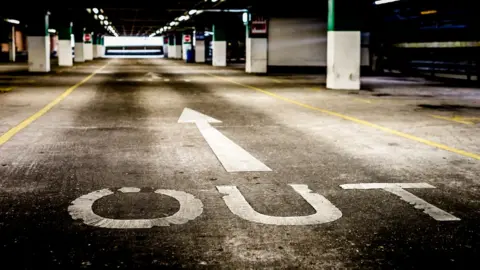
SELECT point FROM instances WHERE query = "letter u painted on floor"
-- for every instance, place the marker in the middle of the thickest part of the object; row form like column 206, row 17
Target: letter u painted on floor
column 325, row 210
column 81, row 208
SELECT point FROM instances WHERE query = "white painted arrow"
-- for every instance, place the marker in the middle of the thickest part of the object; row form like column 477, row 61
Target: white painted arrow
column 233, row 157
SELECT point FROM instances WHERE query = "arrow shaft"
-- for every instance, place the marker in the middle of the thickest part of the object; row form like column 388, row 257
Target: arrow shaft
column 233, row 157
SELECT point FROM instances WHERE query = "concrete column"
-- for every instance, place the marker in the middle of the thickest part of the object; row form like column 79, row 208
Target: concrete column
column 100, row 52
column 95, row 46
column 219, row 46
column 38, row 41
column 102, row 46
column 256, row 44
column 88, row 46
column 175, row 46
column 187, row 41
column 165, row 46
column 12, row 50
column 343, row 45
column 65, row 57
column 79, row 43
column 199, row 43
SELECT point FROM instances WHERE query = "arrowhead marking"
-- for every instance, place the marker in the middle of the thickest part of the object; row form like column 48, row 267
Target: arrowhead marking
column 191, row 116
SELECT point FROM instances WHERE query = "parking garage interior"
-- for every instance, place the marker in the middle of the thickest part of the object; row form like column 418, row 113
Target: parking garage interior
column 238, row 134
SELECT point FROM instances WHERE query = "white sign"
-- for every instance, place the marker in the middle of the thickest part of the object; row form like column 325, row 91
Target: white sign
column 81, row 209
column 325, row 210
column 233, row 157
column 399, row 190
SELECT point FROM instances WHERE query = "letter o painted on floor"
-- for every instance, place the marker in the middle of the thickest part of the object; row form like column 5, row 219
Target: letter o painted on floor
column 81, row 209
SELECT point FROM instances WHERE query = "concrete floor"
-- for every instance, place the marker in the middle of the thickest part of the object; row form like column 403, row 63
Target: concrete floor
column 120, row 128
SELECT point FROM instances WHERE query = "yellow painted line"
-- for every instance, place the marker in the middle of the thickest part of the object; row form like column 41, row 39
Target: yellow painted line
column 358, row 121
column 456, row 119
column 6, row 89
column 276, row 80
column 9, row 134
column 364, row 100
column 318, row 89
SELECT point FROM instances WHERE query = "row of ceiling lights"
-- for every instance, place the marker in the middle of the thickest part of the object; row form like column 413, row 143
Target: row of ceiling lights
column 177, row 21
column 184, row 17
column 99, row 15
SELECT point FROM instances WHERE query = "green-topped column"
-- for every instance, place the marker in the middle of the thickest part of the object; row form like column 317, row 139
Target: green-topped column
column 199, row 44
column 88, row 45
column 256, row 44
column 78, row 33
column 187, row 41
column 95, row 42
column 38, row 42
column 12, row 46
column 219, row 45
column 65, row 55
column 344, row 44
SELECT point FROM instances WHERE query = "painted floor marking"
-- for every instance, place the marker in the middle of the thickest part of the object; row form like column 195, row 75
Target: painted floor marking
column 6, row 89
column 233, row 157
column 81, row 209
column 356, row 120
column 399, row 190
column 9, row 134
column 325, row 210
column 458, row 119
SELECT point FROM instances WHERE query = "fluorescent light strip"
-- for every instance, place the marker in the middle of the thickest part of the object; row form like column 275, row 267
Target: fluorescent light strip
column 133, row 51
column 380, row 2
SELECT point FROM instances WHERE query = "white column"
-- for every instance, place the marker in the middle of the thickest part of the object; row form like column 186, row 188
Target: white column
column 12, row 46
column 186, row 44
column 199, row 47
column 38, row 43
column 219, row 46
column 65, row 57
column 38, row 53
column 88, row 47
column 95, row 50
column 178, row 51
column 343, row 45
column 79, row 52
column 219, row 53
column 343, row 60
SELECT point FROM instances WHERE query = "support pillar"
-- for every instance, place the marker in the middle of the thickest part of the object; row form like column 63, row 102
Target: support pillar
column 95, row 46
column 165, row 46
column 256, row 44
column 38, row 41
column 343, row 45
column 102, row 46
column 79, row 43
column 12, row 50
column 187, row 41
column 175, row 46
column 199, row 43
column 65, row 57
column 219, row 46
column 88, row 46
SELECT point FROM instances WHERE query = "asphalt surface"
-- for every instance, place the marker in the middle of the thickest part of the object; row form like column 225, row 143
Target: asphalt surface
column 120, row 129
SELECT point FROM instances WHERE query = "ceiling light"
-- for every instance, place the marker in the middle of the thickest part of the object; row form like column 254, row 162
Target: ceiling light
column 95, row 16
column 101, row 17
column 12, row 21
column 101, row 10
column 95, row 10
column 213, row 1
column 53, row 31
column 172, row 23
column 105, row 22
column 379, row 2
column 89, row 10
column 186, row 17
column 193, row 11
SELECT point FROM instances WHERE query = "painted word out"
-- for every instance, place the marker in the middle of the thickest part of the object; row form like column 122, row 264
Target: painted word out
column 191, row 207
